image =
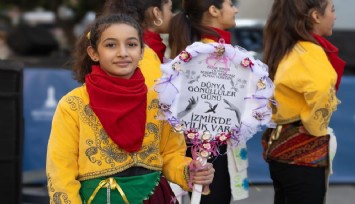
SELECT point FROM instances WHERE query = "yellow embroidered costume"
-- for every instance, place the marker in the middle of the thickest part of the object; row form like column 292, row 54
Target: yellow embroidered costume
column 79, row 148
column 302, row 88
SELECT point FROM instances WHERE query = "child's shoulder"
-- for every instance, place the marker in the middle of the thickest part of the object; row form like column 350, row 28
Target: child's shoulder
column 78, row 93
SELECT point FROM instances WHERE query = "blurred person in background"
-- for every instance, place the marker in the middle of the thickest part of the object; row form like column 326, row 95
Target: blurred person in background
column 306, row 71
column 105, row 144
column 208, row 21
column 8, row 18
column 5, row 51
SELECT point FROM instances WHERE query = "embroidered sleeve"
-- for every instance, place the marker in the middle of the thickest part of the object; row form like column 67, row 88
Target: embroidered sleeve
column 321, row 104
column 173, row 150
column 318, row 88
column 62, row 156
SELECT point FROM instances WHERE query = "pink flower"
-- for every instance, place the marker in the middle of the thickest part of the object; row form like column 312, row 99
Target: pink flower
column 185, row 56
column 204, row 153
column 191, row 134
column 223, row 137
column 206, row 145
column 246, row 62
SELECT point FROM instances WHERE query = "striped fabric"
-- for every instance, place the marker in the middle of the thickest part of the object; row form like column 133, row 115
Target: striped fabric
column 294, row 146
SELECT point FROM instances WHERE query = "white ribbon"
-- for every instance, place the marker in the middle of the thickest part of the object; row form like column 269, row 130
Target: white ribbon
column 197, row 188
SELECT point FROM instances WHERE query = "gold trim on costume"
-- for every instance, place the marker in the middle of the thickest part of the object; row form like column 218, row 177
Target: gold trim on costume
column 112, row 184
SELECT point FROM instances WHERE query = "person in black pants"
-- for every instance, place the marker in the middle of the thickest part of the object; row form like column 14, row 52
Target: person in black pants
column 295, row 184
column 207, row 22
column 306, row 72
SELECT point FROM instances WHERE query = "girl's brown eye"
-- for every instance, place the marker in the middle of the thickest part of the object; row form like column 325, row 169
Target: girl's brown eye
column 110, row 45
column 132, row 44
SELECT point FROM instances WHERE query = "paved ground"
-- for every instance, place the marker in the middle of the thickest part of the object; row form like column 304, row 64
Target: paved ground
column 259, row 194
column 263, row 194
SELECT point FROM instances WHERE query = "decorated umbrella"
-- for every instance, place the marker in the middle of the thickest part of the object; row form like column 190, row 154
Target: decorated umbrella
column 214, row 93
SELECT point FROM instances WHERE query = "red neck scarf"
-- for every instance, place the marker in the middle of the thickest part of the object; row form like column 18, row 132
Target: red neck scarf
column 120, row 104
column 154, row 41
column 222, row 34
column 332, row 53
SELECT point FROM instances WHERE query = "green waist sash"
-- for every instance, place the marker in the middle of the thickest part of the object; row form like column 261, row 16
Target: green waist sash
column 121, row 190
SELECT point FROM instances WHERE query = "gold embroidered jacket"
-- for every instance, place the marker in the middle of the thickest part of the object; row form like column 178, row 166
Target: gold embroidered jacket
column 79, row 148
column 305, row 88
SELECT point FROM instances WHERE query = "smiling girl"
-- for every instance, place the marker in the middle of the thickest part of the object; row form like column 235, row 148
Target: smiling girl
column 105, row 144
column 154, row 17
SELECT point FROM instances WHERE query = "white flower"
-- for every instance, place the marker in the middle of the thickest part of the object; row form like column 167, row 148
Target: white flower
column 206, row 135
column 204, row 153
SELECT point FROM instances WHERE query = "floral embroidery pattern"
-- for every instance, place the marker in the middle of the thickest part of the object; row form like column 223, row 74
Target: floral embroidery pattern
column 149, row 151
column 58, row 197
column 153, row 104
column 50, row 185
column 152, row 129
column 322, row 115
column 90, row 152
column 101, row 149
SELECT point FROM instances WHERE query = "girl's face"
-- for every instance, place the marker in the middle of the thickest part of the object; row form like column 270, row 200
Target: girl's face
column 228, row 12
column 324, row 24
column 118, row 53
column 166, row 14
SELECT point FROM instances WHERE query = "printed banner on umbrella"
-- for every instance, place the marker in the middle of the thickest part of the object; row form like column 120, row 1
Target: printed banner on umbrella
column 218, row 88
